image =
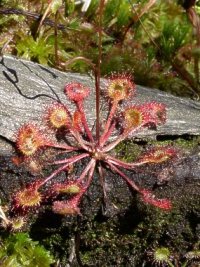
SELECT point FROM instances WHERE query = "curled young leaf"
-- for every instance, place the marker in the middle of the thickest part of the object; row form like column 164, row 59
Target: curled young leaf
column 76, row 91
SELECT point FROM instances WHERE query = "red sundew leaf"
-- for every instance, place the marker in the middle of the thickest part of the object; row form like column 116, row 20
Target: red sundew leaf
column 66, row 207
column 16, row 160
column 77, row 121
column 120, row 87
column 149, row 197
column 76, row 91
column 141, row 115
column 58, row 116
column 156, row 112
column 135, row 116
column 30, row 139
column 159, row 155
column 29, row 196
column 71, row 187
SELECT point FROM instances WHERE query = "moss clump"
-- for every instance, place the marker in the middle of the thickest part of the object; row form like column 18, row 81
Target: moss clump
column 128, row 151
column 125, row 239
column 20, row 250
column 185, row 142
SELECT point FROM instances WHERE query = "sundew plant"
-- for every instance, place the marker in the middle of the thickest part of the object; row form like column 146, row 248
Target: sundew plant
column 79, row 143
column 72, row 141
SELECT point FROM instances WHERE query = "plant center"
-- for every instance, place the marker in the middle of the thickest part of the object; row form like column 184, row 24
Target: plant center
column 97, row 154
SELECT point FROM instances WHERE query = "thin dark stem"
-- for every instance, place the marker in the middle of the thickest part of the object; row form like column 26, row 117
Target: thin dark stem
column 97, row 86
column 56, row 39
column 44, row 16
column 98, row 70
column 84, row 59
column 34, row 16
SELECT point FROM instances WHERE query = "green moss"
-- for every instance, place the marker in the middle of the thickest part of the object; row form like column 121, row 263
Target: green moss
column 185, row 142
column 124, row 240
column 128, row 151
column 19, row 250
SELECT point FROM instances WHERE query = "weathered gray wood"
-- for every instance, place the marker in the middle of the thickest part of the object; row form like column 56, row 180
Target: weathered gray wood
column 26, row 88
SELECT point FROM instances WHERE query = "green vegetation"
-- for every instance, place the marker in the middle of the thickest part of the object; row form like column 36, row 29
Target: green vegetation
column 158, row 40
column 130, row 237
column 131, row 150
column 19, row 250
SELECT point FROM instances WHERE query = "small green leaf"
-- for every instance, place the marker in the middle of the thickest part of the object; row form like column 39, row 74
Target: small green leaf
column 55, row 5
column 69, row 7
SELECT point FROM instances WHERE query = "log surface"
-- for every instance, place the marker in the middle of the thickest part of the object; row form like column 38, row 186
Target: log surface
column 26, row 88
